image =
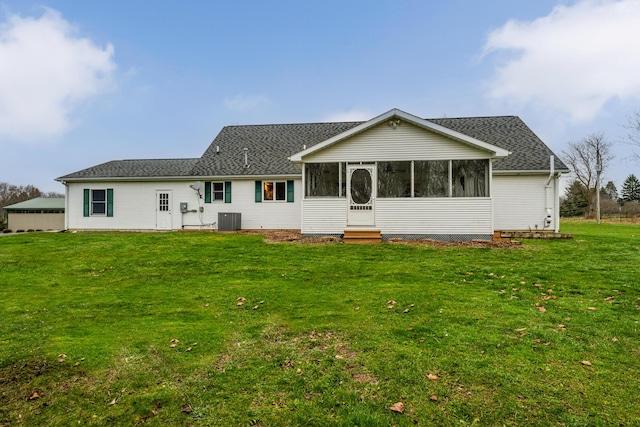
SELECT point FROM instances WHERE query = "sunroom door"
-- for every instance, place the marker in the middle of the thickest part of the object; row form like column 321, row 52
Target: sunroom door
column 361, row 195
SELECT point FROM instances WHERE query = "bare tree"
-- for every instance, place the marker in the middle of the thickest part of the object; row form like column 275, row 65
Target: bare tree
column 633, row 125
column 588, row 158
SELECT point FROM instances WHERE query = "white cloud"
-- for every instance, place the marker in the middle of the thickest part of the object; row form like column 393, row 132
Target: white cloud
column 352, row 115
column 573, row 61
column 46, row 71
column 243, row 103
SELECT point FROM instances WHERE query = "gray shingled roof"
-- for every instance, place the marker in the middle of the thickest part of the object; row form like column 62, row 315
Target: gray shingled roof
column 148, row 168
column 269, row 146
column 528, row 152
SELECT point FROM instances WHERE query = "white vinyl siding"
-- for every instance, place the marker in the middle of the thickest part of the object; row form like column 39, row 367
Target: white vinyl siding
column 434, row 216
column 404, row 216
column 324, row 216
column 135, row 204
column 405, row 142
column 520, row 202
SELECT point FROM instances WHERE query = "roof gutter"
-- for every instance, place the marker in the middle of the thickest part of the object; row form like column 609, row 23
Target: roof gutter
column 181, row 178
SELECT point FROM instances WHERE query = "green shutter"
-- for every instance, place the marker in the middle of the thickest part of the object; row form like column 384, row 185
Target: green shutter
column 227, row 192
column 86, row 202
column 290, row 191
column 207, row 192
column 258, row 191
column 109, row 201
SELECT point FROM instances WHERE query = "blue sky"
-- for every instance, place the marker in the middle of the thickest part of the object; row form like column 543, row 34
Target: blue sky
column 82, row 82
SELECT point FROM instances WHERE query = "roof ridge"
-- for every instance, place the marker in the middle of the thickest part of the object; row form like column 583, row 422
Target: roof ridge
column 138, row 160
column 472, row 117
column 297, row 124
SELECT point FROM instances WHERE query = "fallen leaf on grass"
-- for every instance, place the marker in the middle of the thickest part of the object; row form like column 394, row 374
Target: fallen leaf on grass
column 592, row 308
column 240, row 303
column 586, row 363
column 206, row 305
column 561, row 326
column 392, row 302
column 614, row 339
column 406, row 310
column 433, row 398
column 189, row 349
column 174, row 340
column 186, row 408
column 172, row 345
column 609, row 299
column 432, row 377
column 241, row 299
column 256, row 307
column 389, row 307
column 339, row 356
column 397, row 407
column 542, row 309
column 34, row 395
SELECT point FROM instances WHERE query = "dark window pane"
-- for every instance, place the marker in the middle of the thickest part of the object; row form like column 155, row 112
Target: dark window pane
column 322, row 179
column 431, row 178
column 99, row 196
column 394, row 179
column 469, row 178
column 281, row 190
column 361, row 186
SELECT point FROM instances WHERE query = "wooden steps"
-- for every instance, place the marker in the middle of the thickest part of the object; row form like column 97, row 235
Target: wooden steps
column 362, row 235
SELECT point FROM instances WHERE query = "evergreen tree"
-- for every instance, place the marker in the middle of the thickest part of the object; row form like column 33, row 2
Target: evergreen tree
column 576, row 200
column 610, row 191
column 630, row 189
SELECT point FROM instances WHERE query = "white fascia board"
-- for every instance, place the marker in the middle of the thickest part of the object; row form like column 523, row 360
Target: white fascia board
column 181, row 179
column 126, row 178
column 497, row 151
column 247, row 177
column 529, row 172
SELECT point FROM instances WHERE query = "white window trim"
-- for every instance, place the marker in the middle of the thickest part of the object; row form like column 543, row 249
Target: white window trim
column 92, row 202
column 264, row 198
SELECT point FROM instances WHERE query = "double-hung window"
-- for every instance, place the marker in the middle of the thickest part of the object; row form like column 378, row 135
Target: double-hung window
column 216, row 192
column 98, row 202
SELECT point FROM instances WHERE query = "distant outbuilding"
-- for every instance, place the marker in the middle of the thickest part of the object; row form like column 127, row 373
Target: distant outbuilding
column 41, row 213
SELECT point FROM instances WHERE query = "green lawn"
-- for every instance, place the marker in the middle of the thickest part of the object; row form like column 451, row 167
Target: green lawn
column 491, row 336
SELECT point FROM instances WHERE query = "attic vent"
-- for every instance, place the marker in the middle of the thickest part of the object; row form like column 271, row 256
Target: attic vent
column 246, row 158
column 394, row 123
column 217, row 149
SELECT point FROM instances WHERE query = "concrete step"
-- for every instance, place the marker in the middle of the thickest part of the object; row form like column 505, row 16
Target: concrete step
column 534, row 235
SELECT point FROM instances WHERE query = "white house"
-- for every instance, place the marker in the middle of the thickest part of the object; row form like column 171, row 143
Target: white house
column 447, row 178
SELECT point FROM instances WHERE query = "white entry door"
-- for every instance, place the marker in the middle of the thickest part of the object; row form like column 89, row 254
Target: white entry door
column 361, row 195
column 163, row 210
